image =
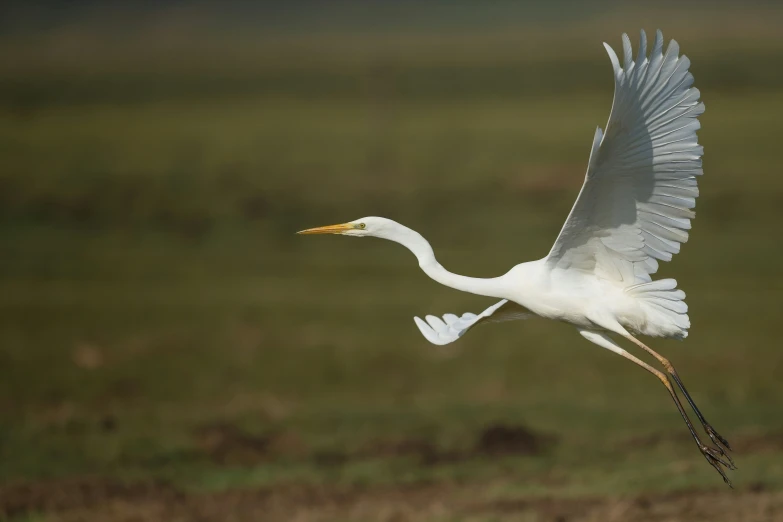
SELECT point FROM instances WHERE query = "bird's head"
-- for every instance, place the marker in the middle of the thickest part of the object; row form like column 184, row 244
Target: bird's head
column 364, row 227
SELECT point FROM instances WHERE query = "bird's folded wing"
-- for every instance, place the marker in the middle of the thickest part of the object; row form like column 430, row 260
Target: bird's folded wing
column 635, row 205
column 451, row 327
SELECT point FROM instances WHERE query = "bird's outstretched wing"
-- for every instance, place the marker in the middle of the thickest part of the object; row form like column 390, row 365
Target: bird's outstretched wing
column 450, row 328
column 635, row 205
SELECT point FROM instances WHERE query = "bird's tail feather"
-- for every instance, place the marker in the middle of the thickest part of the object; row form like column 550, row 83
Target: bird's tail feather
column 665, row 308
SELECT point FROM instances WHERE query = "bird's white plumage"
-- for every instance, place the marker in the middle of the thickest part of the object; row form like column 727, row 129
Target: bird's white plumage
column 451, row 327
column 635, row 206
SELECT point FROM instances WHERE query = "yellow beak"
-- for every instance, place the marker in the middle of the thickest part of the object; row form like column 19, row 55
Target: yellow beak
column 331, row 229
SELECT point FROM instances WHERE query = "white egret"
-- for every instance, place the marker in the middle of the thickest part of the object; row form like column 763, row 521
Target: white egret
column 634, row 209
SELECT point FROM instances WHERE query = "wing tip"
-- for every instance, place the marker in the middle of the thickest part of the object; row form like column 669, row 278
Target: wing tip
column 427, row 331
column 613, row 58
column 627, row 52
column 642, row 55
column 419, row 323
column 657, row 44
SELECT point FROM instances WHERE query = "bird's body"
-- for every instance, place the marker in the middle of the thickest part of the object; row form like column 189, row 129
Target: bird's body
column 574, row 298
column 589, row 302
column 634, row 209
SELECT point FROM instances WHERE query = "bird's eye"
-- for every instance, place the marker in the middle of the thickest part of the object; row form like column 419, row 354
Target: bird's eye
column 362, row 226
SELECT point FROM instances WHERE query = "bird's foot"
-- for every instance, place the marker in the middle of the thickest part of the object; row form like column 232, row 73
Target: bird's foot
column 720, row 443
column 716, row 437
column 713, row 456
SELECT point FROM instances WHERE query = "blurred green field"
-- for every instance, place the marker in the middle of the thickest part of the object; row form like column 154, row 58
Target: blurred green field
column 160, row 322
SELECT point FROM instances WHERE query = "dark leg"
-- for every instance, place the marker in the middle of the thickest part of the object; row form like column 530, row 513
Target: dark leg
column 712, row 455
column 707, row 427
column 716, row 438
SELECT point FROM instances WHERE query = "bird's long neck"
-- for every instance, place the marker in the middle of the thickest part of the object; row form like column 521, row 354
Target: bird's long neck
column 422, row 249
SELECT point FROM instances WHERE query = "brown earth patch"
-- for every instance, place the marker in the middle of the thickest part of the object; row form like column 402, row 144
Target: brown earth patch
column 65, row 496
column 496, row 440
column 426, row 452
column 750, row 505
column 503, row 439
column 228, row 445
column 110, row 501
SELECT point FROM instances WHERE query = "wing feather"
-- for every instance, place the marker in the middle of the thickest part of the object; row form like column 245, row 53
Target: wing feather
column 452, row 327
column 635, row 204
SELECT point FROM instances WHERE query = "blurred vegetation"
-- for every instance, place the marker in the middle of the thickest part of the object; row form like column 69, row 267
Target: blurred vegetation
column 158, row 318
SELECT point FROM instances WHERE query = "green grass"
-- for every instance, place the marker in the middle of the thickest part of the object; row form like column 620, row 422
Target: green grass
column 151, row 286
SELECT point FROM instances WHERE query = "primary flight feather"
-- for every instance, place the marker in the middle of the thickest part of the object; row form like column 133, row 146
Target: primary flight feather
column 635, row 209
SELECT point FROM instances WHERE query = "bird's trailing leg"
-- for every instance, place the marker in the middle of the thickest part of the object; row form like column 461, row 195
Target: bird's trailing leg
column 713, row 456
column 714, row 435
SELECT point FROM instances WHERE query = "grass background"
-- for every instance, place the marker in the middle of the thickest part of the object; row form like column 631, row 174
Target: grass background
column 159, row 319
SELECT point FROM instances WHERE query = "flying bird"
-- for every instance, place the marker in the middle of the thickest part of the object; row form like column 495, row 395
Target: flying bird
column 634, row 210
